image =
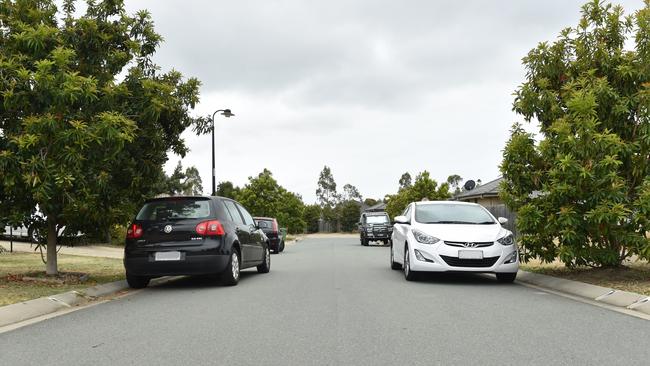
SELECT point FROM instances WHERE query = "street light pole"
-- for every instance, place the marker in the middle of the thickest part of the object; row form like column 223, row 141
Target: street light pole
column 226, row 113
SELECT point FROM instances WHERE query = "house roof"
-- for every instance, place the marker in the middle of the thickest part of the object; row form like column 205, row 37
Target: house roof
column 489, row 189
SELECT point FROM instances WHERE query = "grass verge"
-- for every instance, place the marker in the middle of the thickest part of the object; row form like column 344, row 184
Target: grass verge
column 633, row 277
column 14, row 267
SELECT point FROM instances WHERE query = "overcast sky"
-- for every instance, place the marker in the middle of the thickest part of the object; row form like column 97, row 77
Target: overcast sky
column 370, row 88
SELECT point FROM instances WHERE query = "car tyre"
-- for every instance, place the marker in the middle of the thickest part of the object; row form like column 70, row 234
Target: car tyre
column 393, row 264
column 506, row 277
column 137, row 281
column 265, row 267
column 408, row 274
column 365, row 242
column 230, row 276
column 282, row 246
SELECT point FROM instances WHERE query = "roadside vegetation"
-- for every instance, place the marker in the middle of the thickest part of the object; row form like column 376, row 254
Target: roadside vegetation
column 581, row 188
column 22, row 277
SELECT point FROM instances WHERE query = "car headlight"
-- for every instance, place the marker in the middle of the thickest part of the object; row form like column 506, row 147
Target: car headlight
column 507, row 240
column 424, row 238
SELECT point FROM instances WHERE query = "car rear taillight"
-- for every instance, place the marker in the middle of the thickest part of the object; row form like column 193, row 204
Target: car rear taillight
column 275, row 225
column 210, row 228
column 134, row 231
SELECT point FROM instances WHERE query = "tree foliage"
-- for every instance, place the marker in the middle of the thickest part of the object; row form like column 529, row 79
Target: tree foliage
column 454, row 181
column 311, row 216
column 326, row 191
column 227, row 189
column 263, row 196
column 405, row 181
column 582, row 193
column 423, row 187
column 181, row 182
column 74, row 141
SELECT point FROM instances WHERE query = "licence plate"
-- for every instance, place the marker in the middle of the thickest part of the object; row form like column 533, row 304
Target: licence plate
column 470, row 254
column 167, row 256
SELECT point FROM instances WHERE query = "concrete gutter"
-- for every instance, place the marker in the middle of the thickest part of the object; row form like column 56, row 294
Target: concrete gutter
column 623, row 299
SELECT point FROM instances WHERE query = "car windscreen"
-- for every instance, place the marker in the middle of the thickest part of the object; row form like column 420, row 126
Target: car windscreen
column 452, row 214
column 174, row 209
column 264, row 224
column 377, row 219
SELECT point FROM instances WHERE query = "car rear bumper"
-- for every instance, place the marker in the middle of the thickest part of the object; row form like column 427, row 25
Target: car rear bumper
column 188, row 265
column 274, row 243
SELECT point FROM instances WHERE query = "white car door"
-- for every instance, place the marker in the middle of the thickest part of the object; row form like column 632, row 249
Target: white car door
column 399, row 233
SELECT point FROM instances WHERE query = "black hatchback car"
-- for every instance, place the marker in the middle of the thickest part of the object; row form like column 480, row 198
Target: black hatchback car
column 193, row 236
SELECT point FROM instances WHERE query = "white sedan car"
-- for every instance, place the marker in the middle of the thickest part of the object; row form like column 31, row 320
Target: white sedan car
column 447, row 236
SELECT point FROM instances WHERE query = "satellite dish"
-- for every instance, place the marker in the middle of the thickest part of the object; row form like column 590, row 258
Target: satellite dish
column 469, row 185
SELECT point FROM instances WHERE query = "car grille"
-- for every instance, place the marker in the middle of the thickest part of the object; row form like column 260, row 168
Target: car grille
column 463, row 244
column 457, row 262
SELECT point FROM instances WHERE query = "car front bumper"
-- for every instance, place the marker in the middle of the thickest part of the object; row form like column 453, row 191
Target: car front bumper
column 444, row 258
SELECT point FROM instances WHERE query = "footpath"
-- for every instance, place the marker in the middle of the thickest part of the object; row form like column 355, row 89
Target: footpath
column 82, row 250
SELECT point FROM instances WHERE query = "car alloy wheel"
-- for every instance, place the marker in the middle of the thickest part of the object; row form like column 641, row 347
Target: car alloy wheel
column 408, row 274
column 235, row 265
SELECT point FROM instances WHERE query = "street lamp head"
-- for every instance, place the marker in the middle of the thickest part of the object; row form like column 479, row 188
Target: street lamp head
column 227, row 113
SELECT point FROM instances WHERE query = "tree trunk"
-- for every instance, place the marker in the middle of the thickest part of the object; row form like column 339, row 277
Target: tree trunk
column 51, row 268
column 108, row 235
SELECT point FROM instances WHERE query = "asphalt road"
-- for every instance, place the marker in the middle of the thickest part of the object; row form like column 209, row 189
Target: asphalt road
column 332, row 302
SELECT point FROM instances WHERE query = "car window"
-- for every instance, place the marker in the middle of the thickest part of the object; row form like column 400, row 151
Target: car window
column 407, row 212
column 377, row 219
column 248, row 219
column 233, row 212
column 174, row 209
column 264, row 224
column 452, row 214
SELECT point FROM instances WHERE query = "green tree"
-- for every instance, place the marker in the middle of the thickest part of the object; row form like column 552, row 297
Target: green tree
column 351, row 192
column 405, row 181
column 423, row 187
column 454, row 182
column 326, row 191
column 586, row 185
column 181, row 182
column 349, row 215
column 70, row 130
column 370, row 201
column 263, row 196
column 311, row 215
column 227, row 189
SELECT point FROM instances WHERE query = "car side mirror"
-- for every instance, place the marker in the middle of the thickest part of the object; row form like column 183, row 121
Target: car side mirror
column 502, row 220
column 402, row 220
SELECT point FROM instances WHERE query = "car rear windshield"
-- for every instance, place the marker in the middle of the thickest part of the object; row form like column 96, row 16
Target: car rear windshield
column 176, row 209
column 378, row 219
column 265, row 224
column 452, row 214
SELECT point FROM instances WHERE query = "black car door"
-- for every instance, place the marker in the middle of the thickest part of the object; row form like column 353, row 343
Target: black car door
column 255, row 236
column 241, row 229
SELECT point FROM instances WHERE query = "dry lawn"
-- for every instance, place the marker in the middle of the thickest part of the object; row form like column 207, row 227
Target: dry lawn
column 14, row 267
column 633, row 277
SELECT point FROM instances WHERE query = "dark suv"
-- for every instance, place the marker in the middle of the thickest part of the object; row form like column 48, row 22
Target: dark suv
column 193, row 236
column 375, row 226
column 270, row 227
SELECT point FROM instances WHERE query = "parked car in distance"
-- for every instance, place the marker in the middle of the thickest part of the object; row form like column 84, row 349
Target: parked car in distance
column 269, row 226
column 374, row 226
column 446, row 236
column 193, row 235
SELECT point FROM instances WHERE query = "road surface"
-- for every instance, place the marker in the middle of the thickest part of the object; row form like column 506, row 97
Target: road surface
column 330, row 301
